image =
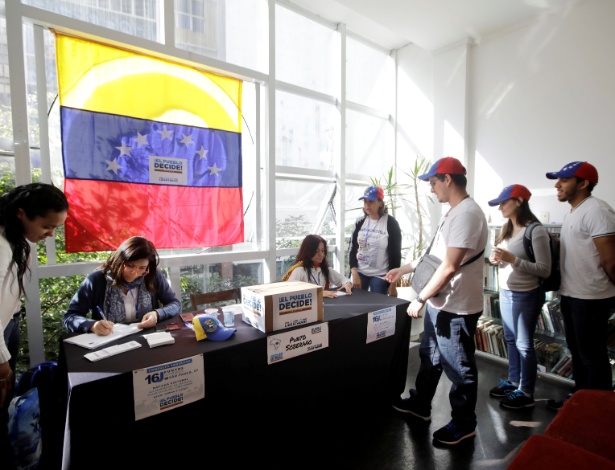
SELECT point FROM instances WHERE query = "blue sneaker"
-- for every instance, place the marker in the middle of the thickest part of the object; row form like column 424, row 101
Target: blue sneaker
column 452, row 433
column 516, row 400
column 503, row 388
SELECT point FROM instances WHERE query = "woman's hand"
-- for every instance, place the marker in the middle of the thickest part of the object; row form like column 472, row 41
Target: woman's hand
column 500, row 255
column 149, row 320
column 356, row 280
column 6, row 383
column 348, row 288
column 102, row 327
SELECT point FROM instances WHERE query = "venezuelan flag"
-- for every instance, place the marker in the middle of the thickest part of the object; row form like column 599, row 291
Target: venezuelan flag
column 149, row 148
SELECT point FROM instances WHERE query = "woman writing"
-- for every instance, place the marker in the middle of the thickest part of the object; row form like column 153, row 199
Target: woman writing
column 313, row 266
column 28, row 214
column 521, row 296
column 127, row 288
column 376, row 245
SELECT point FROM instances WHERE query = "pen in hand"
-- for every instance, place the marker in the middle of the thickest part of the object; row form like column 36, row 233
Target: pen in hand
column 105, row 324
column 102, row 314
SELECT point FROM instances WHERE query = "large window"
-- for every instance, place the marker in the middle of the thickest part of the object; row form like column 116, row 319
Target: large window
column 307, row 190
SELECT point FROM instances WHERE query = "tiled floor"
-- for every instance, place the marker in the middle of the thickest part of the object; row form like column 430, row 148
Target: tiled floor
column 374, row 436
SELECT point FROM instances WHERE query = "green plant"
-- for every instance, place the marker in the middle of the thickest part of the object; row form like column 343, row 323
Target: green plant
column 409, row 193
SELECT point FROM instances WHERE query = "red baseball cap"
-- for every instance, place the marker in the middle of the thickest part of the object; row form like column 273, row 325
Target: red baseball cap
column 509, row 192
column 444, row 166
column 583, row 170
column 372, row 193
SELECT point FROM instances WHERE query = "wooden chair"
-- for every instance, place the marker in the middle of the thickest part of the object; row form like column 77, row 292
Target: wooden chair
column 215, row 297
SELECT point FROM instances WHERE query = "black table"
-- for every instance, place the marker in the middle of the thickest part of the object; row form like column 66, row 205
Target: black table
column 244, row 396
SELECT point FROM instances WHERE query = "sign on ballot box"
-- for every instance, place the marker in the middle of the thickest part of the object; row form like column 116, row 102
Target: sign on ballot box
column 281, row 305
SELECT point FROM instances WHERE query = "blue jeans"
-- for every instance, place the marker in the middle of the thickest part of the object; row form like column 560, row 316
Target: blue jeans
column 448, row 345
column 374, row 284
column 520, row 312
column 586, row 325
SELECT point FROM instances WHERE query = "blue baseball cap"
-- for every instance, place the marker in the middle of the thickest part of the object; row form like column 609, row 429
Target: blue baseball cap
column 444, row 166
column 209, row 327
column 372, row 193
column 509, row 192
column 583, row 170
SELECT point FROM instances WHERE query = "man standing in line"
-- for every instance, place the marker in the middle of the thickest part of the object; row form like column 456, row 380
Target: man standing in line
column 454, row 298
column 587, row 292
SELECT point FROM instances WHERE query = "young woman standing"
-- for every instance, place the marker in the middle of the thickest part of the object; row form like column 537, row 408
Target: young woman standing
column 28, row 214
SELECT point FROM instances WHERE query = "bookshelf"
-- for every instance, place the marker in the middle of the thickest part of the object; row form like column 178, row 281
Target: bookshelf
column 554, row 361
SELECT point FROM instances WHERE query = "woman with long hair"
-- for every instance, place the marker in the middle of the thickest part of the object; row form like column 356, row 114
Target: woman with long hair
column 312, row 265
column 127, row 288
column 521, row 295
column 28, row 214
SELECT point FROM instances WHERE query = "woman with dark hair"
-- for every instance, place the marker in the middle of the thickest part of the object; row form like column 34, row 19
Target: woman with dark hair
column 28, row 214
column 375, row 247
column 127, row 288
column 521, row 295
column 313, row 266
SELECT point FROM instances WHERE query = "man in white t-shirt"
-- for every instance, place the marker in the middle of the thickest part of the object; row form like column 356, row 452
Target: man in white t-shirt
column 454, row 302
column 587, row 292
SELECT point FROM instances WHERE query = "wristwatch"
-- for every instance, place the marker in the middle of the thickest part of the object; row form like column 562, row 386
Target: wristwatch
column 420, row 300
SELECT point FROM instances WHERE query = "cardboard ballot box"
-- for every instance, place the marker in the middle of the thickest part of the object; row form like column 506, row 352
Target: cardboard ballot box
column 281, row 305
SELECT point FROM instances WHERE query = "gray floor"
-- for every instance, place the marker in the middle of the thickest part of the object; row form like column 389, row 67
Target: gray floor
column 387, row 439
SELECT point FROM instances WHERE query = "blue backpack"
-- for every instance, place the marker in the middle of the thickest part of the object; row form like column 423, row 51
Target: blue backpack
column 551, row 283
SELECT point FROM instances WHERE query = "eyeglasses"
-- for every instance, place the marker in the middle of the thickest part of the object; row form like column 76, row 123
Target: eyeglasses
column 433, row 182
column 132, row 268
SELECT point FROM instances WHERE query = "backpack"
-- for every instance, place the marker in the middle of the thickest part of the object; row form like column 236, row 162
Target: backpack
column 552, row 282
column 44, row 378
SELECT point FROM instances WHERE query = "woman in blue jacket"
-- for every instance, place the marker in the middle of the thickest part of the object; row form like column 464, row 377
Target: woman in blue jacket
column 127, row 288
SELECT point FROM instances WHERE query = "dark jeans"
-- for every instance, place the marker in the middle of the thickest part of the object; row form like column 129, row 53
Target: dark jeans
column 11, row 338
column 586, row 325
column 374, row 284
column 448, row 345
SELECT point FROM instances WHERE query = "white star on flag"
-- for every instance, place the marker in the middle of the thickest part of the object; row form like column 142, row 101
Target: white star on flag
column 187, row 140
column 214, row 169
column 141, row 139
column 165, row 133
column 113, row 166
column 124, row 150
column 202, row 153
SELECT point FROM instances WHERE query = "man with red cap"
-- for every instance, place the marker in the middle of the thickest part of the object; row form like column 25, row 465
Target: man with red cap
column 453, row 298
column 587, row 292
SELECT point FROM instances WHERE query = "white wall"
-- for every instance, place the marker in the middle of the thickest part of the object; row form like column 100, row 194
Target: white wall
column 523, row 102
column 543, row 96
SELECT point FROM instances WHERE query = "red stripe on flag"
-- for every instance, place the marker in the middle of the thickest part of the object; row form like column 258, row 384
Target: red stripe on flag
column 169, row 216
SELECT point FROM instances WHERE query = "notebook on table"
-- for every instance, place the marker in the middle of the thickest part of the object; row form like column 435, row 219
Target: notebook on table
column 93, row 341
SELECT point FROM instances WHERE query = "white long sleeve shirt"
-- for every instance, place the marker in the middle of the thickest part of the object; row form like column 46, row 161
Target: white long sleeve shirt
column 10, row 300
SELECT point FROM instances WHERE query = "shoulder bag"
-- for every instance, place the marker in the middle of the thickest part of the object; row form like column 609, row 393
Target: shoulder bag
column 427, row 266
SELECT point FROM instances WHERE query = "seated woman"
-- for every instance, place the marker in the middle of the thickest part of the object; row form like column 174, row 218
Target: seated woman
column 127, row 288
column 312, row 258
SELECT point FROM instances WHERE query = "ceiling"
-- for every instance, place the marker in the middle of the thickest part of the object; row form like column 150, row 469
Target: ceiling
column 430, row 24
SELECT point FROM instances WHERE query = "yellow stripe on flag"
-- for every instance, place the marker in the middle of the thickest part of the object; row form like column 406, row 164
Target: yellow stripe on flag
column 100, row 78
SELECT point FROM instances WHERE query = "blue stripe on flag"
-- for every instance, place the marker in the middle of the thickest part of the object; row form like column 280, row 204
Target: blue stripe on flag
column 109, row 147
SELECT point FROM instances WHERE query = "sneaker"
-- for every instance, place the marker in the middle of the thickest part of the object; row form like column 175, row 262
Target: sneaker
column 504, row 387
column 516, row 400
column 557, row 404
column 452, row 433
column 408, row 405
